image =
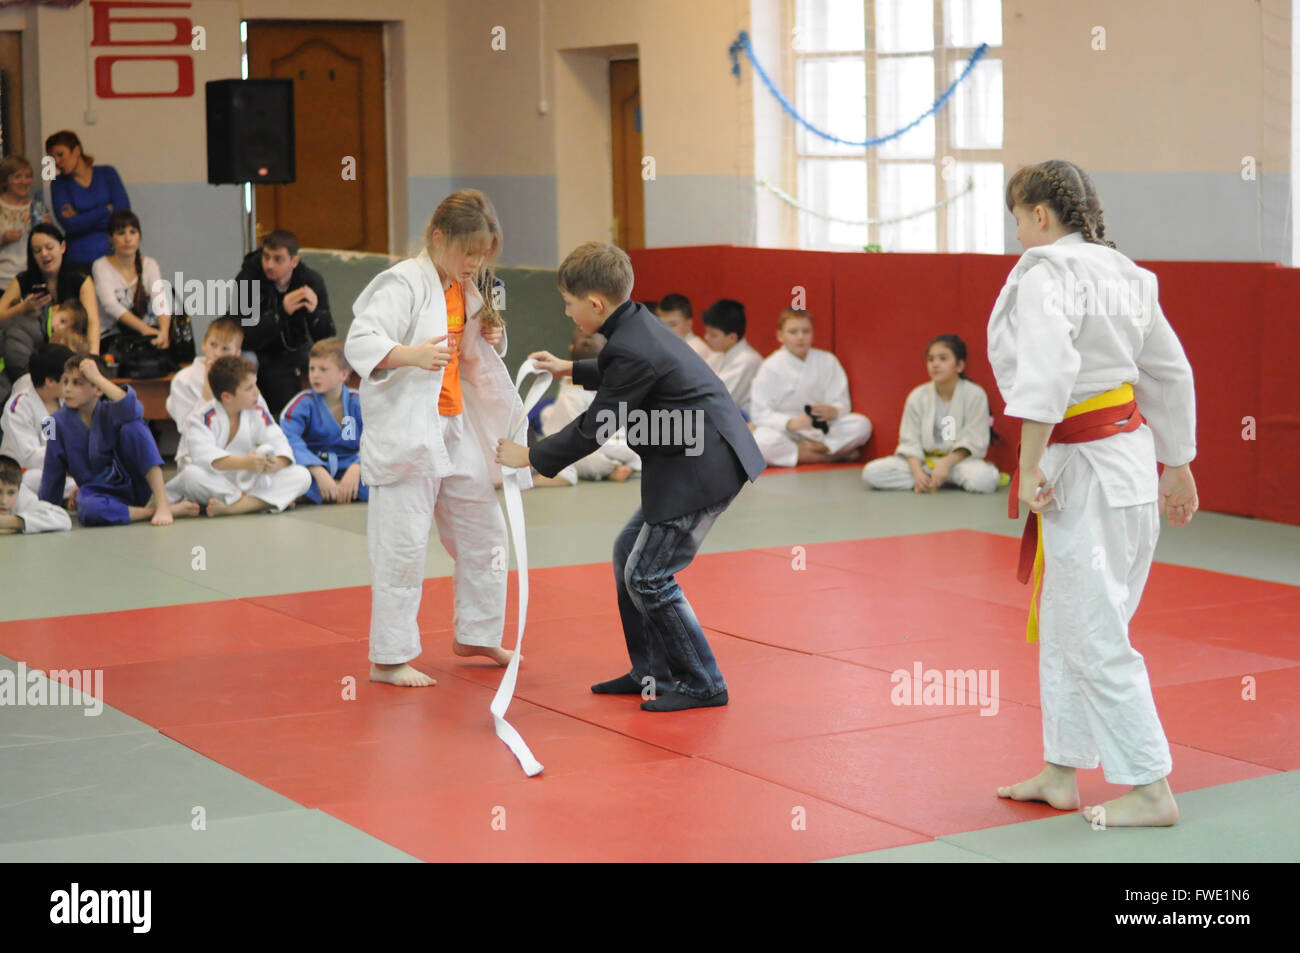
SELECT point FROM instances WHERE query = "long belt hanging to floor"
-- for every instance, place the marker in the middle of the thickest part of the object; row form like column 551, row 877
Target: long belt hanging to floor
column 1093, row 419
column 519, row 539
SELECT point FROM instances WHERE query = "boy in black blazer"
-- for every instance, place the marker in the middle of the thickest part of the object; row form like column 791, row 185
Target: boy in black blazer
column 696, row 452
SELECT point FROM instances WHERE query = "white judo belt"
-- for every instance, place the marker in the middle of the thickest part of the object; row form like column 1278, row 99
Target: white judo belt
column 519, row 539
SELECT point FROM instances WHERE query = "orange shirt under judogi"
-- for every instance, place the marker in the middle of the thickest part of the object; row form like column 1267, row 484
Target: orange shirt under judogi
column 449, row 400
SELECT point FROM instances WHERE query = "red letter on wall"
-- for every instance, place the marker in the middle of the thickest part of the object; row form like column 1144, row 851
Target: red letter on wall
column 104, row 20
column 104, row 77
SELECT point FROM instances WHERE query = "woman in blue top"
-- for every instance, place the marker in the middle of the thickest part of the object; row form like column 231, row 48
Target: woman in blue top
column 84, row 196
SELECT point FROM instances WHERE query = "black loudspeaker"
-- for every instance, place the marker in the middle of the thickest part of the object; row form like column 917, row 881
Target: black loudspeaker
column 250, row 131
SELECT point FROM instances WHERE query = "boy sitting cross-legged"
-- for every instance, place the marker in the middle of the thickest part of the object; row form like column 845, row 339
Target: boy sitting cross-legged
column 240, row 460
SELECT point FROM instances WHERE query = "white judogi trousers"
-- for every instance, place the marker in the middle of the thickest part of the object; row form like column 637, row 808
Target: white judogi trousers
column 895, row 473
column 470, row 526
column 1096, row 696
column 780, row 448
column 200, row 484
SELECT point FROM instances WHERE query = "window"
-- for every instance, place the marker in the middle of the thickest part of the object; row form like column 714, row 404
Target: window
column 866, row 68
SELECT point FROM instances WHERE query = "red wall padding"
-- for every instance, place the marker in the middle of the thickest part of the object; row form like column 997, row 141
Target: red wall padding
column 1236, row 320
column 1277, row 413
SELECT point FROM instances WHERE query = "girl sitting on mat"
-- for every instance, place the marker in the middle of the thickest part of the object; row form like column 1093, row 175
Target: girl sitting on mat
column 1096, row 372
column 944, row 434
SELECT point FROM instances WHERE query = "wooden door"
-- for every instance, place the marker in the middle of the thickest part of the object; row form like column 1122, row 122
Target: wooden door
column 11, row 108
column 626, row 152
column 340, row 197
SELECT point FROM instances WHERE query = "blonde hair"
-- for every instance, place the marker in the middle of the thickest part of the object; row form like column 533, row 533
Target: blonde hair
column 1065, row 189
column 70, row 339
column 224, row 328
column 9, row 166
column 331, row 348
column 791, row 314
column 597, row 267
column 466, row 217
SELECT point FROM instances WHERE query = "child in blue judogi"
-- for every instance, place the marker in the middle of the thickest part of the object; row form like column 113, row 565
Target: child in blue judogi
column 323, row 426
column 100, row 438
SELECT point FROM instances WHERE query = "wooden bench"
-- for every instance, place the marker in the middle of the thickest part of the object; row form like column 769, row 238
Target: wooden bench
column 152, row 392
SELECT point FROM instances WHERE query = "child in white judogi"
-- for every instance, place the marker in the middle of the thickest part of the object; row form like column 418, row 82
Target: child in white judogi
column 189, row 386
column 799, row 376
column 1083, row 354
column 436, row 396
column 944, row 433
column 240, row 460
column 26, row 420
column 730, row 355
column 675, row 311
column 615, row 460
column 21, row 510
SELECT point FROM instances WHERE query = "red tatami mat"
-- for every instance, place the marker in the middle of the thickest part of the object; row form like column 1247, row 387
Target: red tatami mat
column 815, row 756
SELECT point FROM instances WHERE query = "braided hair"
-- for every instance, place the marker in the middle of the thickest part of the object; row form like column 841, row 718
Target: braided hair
column 1067, row 190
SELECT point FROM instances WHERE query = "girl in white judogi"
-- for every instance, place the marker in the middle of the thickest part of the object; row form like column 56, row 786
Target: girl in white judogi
column 944, row 433
column 1077, row 331
column 239, row 459
column 436, row 398
column 798, row 375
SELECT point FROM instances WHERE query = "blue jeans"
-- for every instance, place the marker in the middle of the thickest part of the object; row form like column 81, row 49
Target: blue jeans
column 664, row 639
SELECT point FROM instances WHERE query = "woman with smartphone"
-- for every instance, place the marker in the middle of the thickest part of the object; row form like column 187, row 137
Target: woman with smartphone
column 50, row 279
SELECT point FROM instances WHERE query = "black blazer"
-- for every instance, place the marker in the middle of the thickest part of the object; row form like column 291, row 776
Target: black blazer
column 647, row 368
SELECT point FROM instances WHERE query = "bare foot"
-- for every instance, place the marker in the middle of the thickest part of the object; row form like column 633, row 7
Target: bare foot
column 1149, row 805
column 218, row 508
column 162, row 516
column 498, row 655
column 402, row 675
column 621, row 473
column 1054, row 784
column 185, row 509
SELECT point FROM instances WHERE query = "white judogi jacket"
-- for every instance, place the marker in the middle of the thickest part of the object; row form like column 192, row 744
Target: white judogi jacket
column 1051, row 347
column 737, row 368
column 698, row 345
column 185, row 394
column 969, row 408
column 784, row 385
column 39, row 516
column 24, row 412
column 207, row 432
column 402, row 437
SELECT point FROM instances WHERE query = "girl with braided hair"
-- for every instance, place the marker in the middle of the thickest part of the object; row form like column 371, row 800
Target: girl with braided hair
column 1104, row 391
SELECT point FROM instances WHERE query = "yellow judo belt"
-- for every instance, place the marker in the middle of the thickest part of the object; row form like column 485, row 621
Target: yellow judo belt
column 1119, row 397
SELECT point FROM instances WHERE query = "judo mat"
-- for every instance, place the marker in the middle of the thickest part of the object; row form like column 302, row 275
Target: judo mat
column 820, row 754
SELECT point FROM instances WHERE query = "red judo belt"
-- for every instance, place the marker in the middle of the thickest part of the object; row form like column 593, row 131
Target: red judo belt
column 1083, row 428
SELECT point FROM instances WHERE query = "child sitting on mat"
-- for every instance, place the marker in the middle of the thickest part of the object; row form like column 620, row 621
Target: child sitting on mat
column 944, row 434
column 21, row 511
column 800, row 401
column 615, row 460
column 240, row 460
column 99, row 437
column 323, row 426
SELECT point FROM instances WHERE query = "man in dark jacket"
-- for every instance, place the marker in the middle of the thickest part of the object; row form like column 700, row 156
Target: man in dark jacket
column 696, row 455
column 294, row 314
